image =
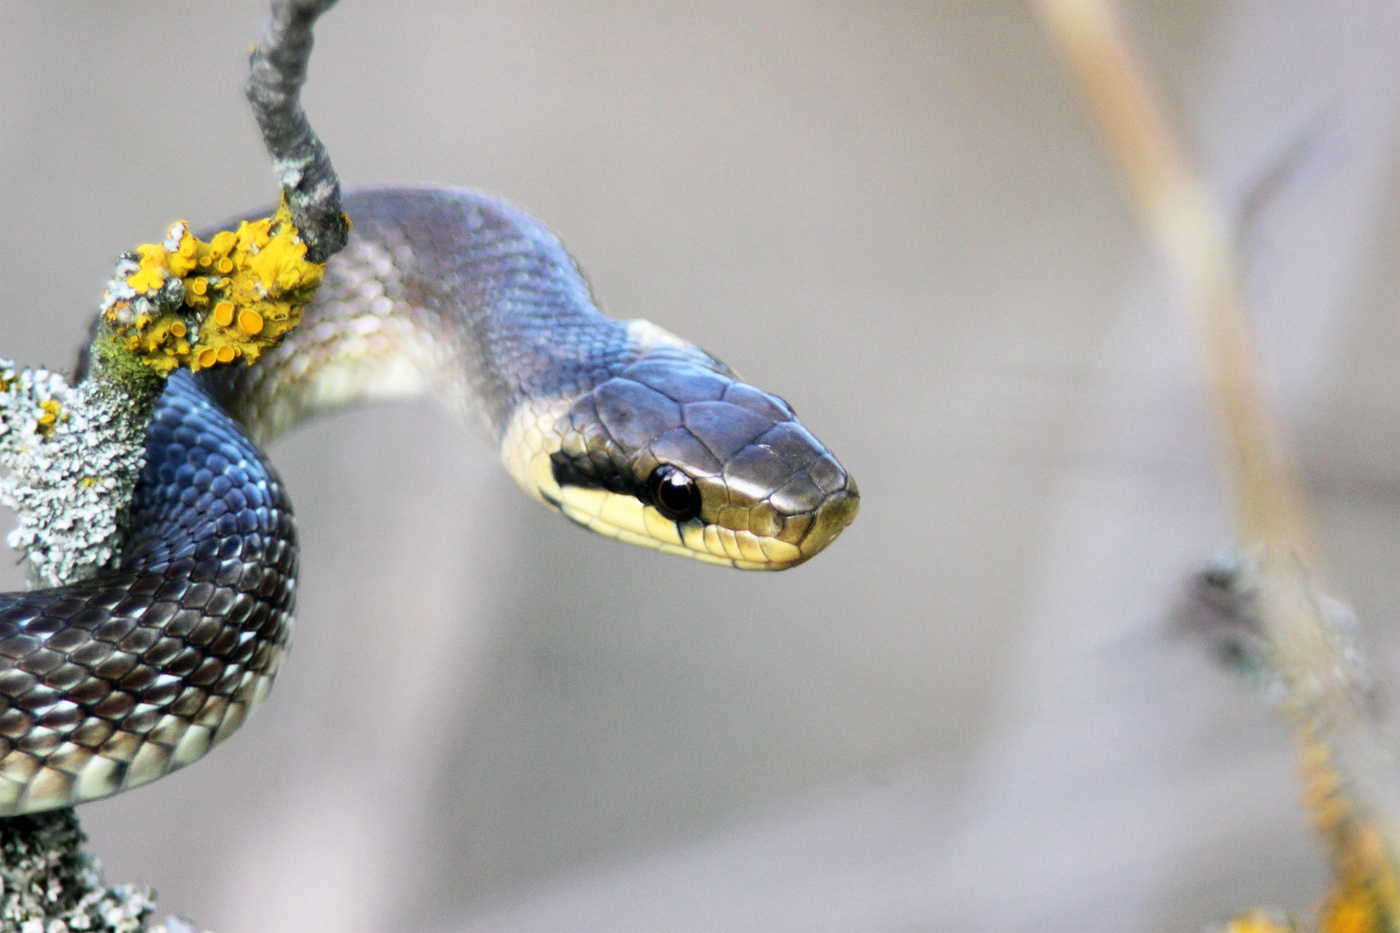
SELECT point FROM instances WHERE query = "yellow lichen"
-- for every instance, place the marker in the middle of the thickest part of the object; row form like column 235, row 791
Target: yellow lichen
column 160, row 343
column 52, row 410
column 1365, row 896
column 255, row 279
column 250, row 321
column 151, row 276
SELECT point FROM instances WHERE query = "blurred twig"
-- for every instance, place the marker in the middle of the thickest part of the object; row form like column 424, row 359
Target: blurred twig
column 1195, row 239
column 1349, row 767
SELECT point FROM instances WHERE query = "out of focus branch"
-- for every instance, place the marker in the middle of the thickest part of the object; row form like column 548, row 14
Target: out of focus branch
column 1195, row 240
column 1353, row 785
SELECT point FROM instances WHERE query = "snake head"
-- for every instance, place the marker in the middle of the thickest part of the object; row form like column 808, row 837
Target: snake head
column 676, row 453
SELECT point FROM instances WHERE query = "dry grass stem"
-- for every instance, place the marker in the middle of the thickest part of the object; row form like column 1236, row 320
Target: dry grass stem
column 1348, row 765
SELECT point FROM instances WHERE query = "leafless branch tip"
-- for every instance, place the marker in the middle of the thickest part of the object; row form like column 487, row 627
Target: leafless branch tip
column 276, row 75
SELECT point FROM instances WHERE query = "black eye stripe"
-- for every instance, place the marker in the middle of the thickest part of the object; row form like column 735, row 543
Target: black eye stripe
column 674, row 494
column 669, row 489
column 583, row 472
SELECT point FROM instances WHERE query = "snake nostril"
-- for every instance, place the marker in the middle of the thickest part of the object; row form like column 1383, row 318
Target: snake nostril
column 832, row 517
column 674, row 494
column 764, row 522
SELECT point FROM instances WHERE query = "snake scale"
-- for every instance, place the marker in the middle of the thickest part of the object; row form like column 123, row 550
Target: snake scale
column 621, row 426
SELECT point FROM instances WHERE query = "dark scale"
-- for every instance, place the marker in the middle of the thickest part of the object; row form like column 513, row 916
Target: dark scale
column 119, row 679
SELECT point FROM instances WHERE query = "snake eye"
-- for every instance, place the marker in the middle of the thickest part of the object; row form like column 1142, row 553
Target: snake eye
column 674, row 494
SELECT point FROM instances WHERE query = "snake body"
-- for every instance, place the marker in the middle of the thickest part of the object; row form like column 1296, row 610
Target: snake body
column 624, row 428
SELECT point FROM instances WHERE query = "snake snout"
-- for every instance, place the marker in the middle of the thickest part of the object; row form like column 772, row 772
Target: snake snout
column 837, row 511
column 793, row 491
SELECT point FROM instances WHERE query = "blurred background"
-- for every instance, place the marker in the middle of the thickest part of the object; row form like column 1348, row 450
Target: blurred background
column 969, row 714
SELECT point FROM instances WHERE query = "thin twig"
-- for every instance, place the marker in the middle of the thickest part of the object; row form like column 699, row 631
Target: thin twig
column 276, row 74
column 1194, row 237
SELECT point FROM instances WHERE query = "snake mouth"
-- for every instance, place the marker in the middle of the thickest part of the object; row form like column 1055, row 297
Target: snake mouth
column 618, row 515
column 528, row 453
column 623, row 517
column 833, row 515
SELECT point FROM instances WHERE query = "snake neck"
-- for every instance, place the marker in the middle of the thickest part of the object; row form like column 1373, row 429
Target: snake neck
column 444, row 292
column 621, row 426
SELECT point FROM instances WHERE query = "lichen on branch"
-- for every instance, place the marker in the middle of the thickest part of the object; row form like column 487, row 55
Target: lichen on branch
column 185, row 302
column 44, row 873
column 73, row 454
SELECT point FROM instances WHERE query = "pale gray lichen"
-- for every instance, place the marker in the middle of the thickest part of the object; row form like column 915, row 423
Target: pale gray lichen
column 73, row 454
column 49, row 885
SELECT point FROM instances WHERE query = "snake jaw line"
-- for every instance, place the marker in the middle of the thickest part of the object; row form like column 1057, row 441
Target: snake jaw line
column 533, row 436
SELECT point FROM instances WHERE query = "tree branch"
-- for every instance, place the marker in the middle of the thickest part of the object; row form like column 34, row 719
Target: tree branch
column 73, row 452
column 276, row 75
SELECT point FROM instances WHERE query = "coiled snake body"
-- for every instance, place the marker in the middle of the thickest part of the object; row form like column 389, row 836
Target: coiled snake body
column 110, row 683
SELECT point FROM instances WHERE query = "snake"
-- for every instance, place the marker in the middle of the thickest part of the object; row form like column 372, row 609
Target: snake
column 619, row 425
